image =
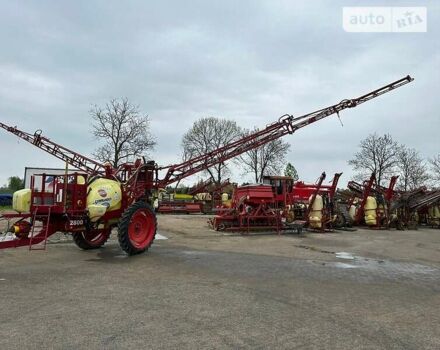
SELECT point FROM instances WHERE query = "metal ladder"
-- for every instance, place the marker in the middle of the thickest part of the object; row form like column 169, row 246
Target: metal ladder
column 45, row 228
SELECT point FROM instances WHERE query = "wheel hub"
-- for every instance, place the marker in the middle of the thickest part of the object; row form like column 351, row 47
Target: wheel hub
column 141, row 229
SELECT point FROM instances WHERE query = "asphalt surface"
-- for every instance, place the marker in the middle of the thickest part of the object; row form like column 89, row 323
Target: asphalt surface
column 175, row 297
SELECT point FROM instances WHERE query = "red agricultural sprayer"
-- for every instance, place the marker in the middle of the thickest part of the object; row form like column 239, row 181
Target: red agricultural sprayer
column 279, row 203
column 370, row 203
column 89, row 203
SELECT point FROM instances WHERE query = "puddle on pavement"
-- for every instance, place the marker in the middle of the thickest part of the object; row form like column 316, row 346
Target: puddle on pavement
column 344, row 255
column 194, row 252
column 378, row 264
column 342, row 265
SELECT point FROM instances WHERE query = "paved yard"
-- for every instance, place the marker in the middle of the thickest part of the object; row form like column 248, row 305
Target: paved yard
column 201, row 289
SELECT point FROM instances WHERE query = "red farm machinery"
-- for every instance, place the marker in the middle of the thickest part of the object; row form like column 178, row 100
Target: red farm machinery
column 90, row 202
column 418, row 206
column 279, row 204
column 370, row 203
column 199, row 199
column 380, row 207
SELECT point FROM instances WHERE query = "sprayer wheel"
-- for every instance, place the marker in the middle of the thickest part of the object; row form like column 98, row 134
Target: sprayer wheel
column 93, row 239
column 137, row 228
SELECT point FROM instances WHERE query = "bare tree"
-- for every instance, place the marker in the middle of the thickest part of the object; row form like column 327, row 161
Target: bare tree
column 435, row 167
column 268, row 159
column 412, row 169
column 378, row 154
column 209, row 134
column 125, row 132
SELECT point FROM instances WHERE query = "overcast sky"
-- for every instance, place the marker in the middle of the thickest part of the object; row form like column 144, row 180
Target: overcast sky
column 249, row 61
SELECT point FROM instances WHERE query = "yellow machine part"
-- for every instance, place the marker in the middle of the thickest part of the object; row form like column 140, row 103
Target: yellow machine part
column 434, row 212
column 289, row 214
column 352, row 212
column 21, row 200
column 182, row 196
column 80, row 180
column 96, row 211
column 225, row 197
column 370, row 211
column 103, row 195
column 156, row 203
column 434, row 215
column 315, row 216
column 227, row 204
column 437, row 211
column 202, row 197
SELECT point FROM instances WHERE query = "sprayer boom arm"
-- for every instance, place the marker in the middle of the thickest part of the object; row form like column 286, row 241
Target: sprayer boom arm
column 287, row 124
column 74, row 159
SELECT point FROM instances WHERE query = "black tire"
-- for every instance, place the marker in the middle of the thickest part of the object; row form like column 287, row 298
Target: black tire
column 340, row 221
column 85, row 243
column 129, row 224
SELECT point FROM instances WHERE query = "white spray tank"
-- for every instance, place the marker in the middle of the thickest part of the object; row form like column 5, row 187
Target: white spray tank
column 315, row 214
column 370, row 211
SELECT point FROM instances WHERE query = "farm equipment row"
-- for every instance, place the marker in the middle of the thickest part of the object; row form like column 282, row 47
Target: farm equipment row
column 282, row 205
column 370, row 202
column 279, row 204
column 89, row 203
column 200, row 199
column 415, row 207
column 381, row 207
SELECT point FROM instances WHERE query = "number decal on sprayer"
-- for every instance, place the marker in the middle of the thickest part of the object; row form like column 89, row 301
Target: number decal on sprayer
column 76, row 222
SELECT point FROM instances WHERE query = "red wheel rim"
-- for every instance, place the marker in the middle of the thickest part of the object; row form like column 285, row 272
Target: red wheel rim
column 96, row 237
column 141, row 228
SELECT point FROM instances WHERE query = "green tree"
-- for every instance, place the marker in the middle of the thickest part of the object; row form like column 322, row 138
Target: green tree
column 15, row 183
column 291, row 171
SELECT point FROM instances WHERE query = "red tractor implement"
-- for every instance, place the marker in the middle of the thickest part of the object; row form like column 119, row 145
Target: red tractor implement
column 100, row 197
column 418, row 206
column 200, row 199
column 278, row 204
column 215, row 195
column 253, row 206
column 309, row 199
column 180, row 207
column 373, row 202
